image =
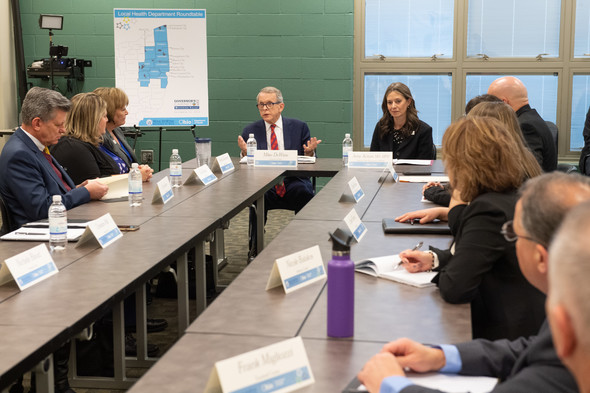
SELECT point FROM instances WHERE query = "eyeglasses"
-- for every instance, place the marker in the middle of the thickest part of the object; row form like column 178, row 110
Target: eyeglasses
column 267, row 105
column 510, row 235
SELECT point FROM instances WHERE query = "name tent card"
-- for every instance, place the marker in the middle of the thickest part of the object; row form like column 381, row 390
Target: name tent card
column 369, row 159
column 389, row 170
column 356, row 226
column 32, row 266
column 276, row 158
column 297, row 270
column 278, row 368
column 222, row 164
column 163, row 191
column 103, row 231
column 201, row 175
column 354, row 193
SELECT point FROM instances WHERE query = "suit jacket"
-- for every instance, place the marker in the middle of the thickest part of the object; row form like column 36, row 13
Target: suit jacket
column 82, row 160
column 295, row 135
column 523, row 365
column 418, row 146
column 484, row 271
column 28, row 182
column 538, row 137
column 584, row 162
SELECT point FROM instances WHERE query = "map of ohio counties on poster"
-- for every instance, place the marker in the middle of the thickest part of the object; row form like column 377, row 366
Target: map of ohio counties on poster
column 161, row 63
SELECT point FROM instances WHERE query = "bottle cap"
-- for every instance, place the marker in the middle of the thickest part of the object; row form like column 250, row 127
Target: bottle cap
column 347, row 135
column 134, row 165
column 251, row 136
column 57, row 198
column 341, row 241
column 174, row 151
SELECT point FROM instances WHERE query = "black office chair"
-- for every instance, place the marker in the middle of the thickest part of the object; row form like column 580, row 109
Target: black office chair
column 7, row 224
column 433, row 151
column 567, row 168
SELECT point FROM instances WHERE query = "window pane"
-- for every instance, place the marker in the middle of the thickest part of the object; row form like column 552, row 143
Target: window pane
column 409, row 28
column 582, row 43
column 432, row 94
column 542, row 91
column 580, row 104
column 513, row 28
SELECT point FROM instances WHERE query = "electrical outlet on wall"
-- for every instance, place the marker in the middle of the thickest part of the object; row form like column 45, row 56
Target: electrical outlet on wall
column 147, row 157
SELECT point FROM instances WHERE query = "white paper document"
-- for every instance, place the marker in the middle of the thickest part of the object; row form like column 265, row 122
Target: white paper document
column 118, row 186
column 423, row 179
column 40, row 234
column 388, row 267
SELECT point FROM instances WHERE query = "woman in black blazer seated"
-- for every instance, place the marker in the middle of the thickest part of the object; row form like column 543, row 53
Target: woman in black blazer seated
column 484, row 163
column 399, row 130
column 79, row 150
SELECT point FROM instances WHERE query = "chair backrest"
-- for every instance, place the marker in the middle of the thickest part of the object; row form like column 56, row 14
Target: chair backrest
column 554, row 130
column 6, row 218
column 433, row 151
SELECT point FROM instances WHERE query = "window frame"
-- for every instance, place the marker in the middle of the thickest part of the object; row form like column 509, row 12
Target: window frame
column 459, row 66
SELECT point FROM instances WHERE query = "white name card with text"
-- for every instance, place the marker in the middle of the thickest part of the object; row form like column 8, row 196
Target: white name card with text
column 297, row 270
column 103, row 231
column 394, row 174
column 355, row 188
column 369, row 159
column 278, row 368
column 32, row 266
column 222, row 164
column 201, row 175
column 356, row 226
column 163, row 191
column 280, row 158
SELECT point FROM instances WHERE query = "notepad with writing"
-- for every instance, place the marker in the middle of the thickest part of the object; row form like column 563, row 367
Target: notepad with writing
column 387, row 267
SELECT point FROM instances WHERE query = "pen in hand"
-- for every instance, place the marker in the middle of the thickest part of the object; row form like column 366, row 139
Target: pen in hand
column 416, row 248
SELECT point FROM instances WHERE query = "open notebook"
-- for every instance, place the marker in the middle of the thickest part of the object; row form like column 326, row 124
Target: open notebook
column 387, row 267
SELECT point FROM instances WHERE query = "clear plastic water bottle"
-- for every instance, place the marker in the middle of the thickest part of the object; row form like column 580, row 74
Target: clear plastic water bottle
column 58, row 225
column 346, row 148
column 135, row 186
column 175, row 169
column 251, row 143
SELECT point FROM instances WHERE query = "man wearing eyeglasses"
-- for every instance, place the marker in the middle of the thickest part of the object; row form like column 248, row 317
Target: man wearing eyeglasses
column 275, row 132
column 523, row 365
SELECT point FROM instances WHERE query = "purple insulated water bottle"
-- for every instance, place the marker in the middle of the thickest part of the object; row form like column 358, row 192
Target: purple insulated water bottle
column 340, row 288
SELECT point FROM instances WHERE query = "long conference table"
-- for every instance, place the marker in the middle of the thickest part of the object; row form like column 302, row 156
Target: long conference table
column 91, row 281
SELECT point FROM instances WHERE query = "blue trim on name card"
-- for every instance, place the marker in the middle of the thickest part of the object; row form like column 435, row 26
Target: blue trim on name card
column 107, row 237
column 276, row 163
column 359, row 230
column 227, row 167
column 304, row 277
column 277, row 383
column 36, row 274
column 209, row 179
column 358, row 195
column 367, row 164
column 166, row 197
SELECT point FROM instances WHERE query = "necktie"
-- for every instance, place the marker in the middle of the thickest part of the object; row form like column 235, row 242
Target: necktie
column 274, row 145
column 57, row 171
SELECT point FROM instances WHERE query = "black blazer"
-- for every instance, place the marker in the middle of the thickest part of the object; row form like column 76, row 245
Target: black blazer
column 417, row 146
column 82, row 160
column 538, row 137
column 586, row 150
column 484, row 271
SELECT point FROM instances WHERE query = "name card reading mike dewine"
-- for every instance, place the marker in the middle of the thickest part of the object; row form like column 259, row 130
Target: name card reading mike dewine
column 163, row 191
column 222, row 164
column 278, row 368
column 297, row 270
column 282, row 158
column 32, row 266
column 356, row 226
column 369, row 159
column 103, row 231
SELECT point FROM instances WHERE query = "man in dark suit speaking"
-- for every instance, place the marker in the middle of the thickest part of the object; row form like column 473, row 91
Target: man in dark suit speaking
column 29, row 176
column 275, row 132
column 527, row 364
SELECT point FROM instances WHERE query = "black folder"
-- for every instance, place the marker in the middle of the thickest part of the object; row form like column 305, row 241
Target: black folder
column 432, row 228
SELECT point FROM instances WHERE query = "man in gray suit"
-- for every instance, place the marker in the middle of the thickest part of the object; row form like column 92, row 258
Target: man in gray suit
column 568, row 309
column 523, row 365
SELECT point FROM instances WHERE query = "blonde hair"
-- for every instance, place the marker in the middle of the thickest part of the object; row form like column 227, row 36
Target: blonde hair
column 83, row 120
column 481, row 156
column 115, row 99
column 504, row 112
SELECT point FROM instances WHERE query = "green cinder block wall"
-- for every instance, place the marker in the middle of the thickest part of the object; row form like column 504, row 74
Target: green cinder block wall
column 303, row 47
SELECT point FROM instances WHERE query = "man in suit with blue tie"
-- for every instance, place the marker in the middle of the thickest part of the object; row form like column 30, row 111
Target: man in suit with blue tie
column 275, row 132
column 29, row 176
